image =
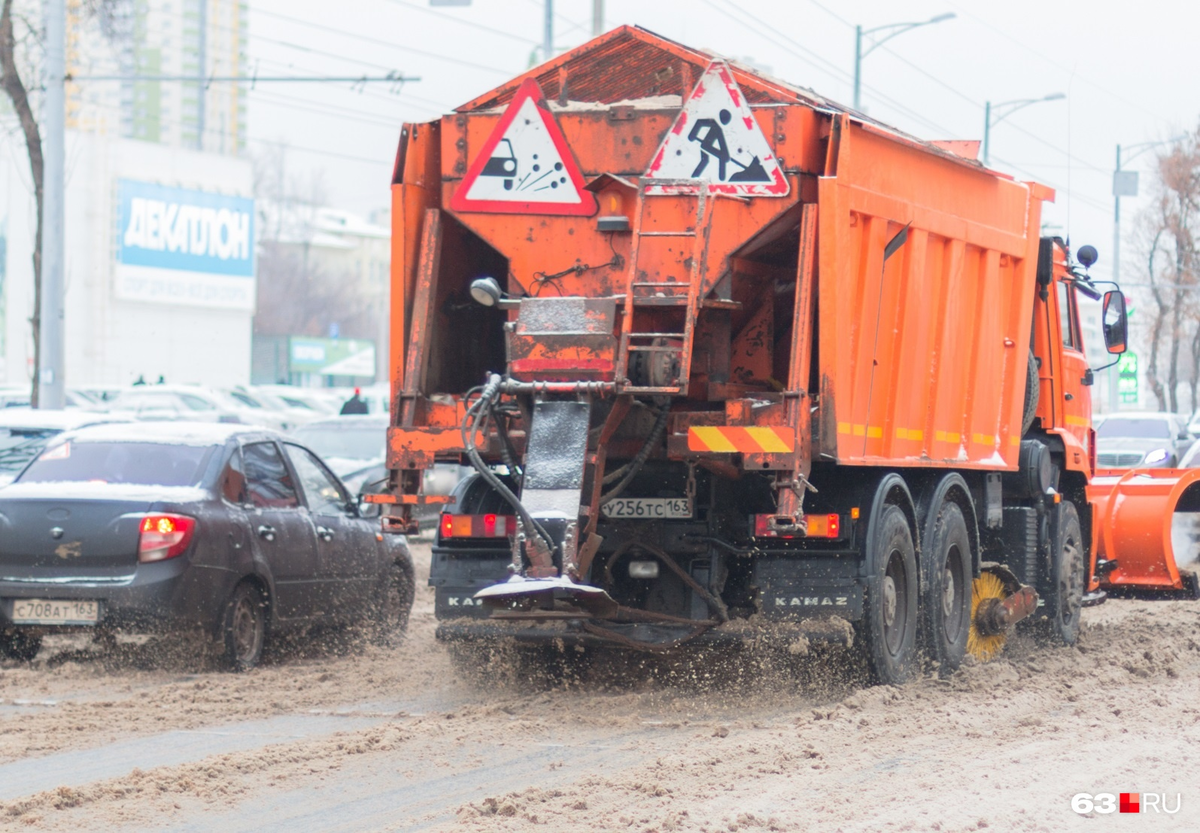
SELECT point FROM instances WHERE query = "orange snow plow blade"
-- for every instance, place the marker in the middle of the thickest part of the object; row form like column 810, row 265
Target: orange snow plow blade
column 1146, row 530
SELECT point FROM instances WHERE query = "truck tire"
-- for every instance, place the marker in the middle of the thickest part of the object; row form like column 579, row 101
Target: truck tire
column 1032, row 388
column 1062, row 587
column 946, row 600
column 889, row 626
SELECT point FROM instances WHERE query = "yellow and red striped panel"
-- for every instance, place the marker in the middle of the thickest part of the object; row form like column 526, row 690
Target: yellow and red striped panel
column 739, row 439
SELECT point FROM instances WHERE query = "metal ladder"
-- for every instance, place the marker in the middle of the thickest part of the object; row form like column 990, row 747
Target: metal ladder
column 643, row 295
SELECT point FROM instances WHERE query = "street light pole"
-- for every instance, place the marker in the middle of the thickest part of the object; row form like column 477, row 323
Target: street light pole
column 548, row 32
column 898, row 29
column 987, row 128
column 597, row 18
column 1125, row 184
column 1013, row 106
column 858, row 56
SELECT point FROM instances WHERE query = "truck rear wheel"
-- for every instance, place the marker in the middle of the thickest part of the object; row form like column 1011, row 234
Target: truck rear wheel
column 1063, row 585
column 946, row 601
column 889, row 626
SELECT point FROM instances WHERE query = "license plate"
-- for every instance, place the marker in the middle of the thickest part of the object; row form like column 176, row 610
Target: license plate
column 648, row 507
column 54, row 612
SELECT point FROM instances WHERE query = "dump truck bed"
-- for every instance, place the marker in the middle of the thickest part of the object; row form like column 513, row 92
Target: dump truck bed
column 923, row 356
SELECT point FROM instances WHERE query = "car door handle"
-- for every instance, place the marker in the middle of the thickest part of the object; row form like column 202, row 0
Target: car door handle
column 267, row 533
column 324, row 533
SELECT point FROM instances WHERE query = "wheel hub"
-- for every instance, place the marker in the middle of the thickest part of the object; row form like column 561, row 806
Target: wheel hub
column 947, row 593
column 243, row 629
column 889, row 601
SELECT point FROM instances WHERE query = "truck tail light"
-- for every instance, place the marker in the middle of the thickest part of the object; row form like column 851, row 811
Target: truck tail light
column 817, row 526
column 478, row 526
column 164, row 536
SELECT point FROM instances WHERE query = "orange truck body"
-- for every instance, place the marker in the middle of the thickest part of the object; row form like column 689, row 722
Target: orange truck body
column 871, row 318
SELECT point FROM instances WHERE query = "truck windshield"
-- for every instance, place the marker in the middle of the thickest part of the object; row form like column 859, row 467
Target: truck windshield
column 1149, row 428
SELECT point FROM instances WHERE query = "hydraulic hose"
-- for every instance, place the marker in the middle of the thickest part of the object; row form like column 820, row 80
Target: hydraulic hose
column 479, row 410
column 635, row 465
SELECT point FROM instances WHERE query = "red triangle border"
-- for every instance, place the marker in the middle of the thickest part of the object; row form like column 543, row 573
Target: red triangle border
column 587, row 206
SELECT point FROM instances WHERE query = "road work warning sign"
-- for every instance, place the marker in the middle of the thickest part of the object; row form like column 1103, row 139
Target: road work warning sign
column 525, row 166
column 716, row 138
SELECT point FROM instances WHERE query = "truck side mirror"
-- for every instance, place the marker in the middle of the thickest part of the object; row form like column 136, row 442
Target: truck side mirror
column 1116, row 323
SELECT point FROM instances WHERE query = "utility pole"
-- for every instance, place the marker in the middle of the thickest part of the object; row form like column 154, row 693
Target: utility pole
column 858, row 56
column 1125, row 184
column 548, row 32
column 1114, row 374
column 597, row 18
column 51, row 391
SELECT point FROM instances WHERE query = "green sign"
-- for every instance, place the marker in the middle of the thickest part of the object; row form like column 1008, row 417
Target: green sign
column 1127, row 378
column 331, row 356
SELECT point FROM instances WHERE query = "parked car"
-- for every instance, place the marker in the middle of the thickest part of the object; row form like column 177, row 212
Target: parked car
column 288, row 416
column 24, row 432
column 20, row 398
column 347, row 443
column 192, row 402
column 318, row 400
column 355, row 448
column 1191, row 460
column 167, row 526
column 1128, row 440
column 101, row 394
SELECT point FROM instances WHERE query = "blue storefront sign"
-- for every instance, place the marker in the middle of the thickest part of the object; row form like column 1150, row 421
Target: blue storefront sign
column 184, row 230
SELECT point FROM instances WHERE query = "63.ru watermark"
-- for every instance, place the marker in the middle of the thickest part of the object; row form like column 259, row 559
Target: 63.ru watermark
column 1084, row 803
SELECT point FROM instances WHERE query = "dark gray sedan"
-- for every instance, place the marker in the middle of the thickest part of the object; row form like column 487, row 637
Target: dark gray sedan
column 172, row 526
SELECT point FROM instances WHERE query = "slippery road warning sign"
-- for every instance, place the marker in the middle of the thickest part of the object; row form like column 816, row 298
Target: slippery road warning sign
column 525, row 166
column 717, row 139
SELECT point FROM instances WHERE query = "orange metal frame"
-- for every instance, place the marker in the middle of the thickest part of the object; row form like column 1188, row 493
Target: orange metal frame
column 918, row 361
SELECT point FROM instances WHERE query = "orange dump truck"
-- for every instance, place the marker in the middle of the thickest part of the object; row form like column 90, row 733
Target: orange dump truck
column 722, row 353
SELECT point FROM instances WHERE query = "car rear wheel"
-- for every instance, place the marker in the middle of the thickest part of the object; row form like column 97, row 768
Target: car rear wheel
column 20, row 645
column 395, row 604
column 244, row 628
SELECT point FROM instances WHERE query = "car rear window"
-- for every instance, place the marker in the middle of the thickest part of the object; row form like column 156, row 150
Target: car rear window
column 1148, row 428
column 144, row 464
column 20, row 445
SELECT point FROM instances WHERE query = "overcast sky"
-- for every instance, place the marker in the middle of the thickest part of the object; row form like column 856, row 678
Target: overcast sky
column 1127, row 69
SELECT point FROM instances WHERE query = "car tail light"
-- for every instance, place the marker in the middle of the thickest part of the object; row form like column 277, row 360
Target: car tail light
column 478, row 526
column 816, row 526
column 164, row 536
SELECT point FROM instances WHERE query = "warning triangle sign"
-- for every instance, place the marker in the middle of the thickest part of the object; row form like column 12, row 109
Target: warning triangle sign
column 525, row 166
column 716, row 138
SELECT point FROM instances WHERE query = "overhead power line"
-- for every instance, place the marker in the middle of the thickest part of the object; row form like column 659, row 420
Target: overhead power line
column 380, row 42
column 764, row 30
column 390, row 78
column 462, row 21
column 1094, row 85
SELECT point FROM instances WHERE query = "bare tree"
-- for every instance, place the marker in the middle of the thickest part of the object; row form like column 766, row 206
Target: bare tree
column 1172, row 227
column 297, row 293
column 18, row 94
column 19, row 53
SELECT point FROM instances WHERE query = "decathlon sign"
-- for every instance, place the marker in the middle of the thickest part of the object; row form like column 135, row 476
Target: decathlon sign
column 177, row 245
